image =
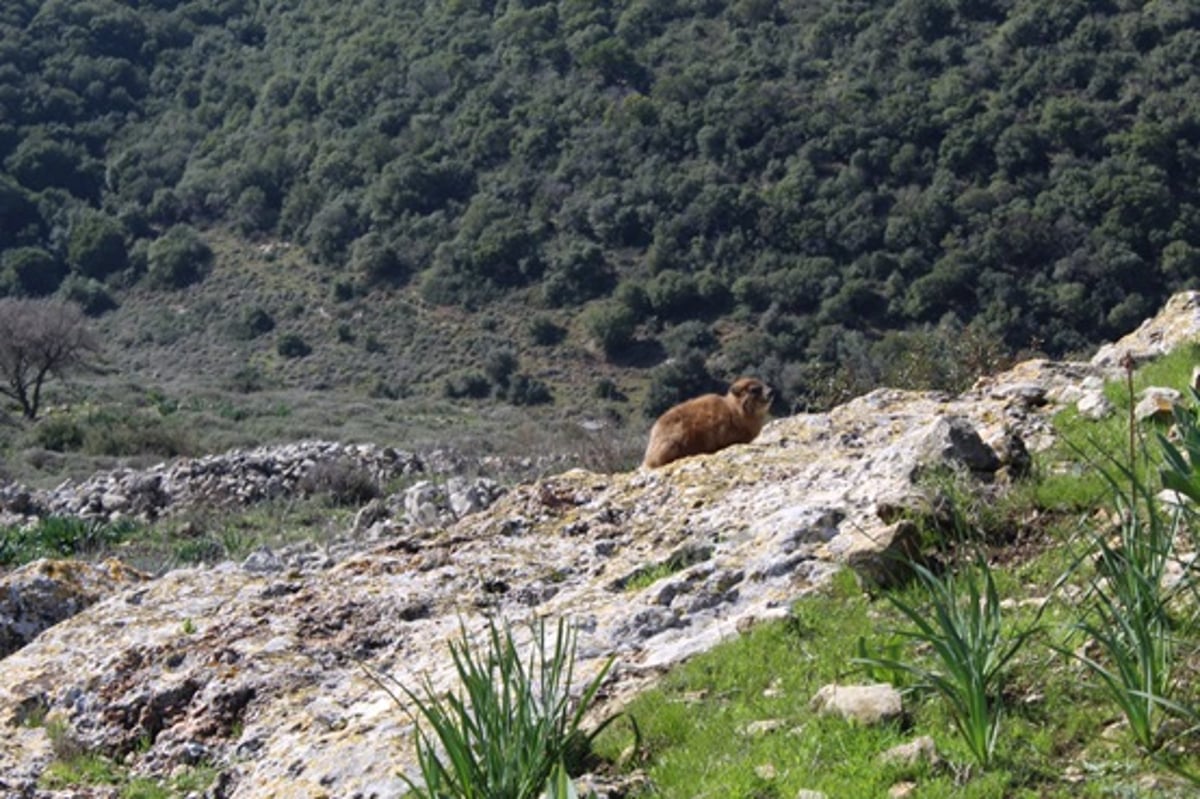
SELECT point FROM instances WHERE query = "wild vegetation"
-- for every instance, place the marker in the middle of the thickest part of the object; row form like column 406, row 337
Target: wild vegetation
column 817, row 192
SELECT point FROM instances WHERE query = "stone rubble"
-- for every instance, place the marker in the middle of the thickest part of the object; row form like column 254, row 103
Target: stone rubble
column 246, row 477
column 266, row 672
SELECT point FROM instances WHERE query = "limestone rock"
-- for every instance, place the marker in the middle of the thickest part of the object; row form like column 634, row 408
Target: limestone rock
column 1177, row 323
column 1094, row 405
column 953, row 441
column 864, row 704
column 44, row 592
column 1157, row 403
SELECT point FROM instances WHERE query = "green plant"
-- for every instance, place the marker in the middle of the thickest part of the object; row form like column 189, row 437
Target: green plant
column 512, row 729
column 291, row 345
column 61, row 536
column 1129, row 611
column 961, row 626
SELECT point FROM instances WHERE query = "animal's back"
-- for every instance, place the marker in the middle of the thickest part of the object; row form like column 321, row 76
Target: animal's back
column 700, row 425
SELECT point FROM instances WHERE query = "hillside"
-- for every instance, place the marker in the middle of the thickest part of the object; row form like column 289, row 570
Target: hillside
column 822, row 193
column 732, row 583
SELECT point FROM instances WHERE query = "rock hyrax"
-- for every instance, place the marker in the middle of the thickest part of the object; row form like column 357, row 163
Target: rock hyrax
column 709, row 423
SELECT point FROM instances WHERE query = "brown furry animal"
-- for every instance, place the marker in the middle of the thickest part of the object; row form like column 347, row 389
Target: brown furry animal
column 709, row 423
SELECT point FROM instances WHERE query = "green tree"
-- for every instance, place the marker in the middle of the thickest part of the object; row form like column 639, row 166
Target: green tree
column 178, row 258
column 30, row 271
column 96, row 247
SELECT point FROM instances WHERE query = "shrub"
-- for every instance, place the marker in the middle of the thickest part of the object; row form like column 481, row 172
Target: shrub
column 675, row 381
column 544, row 332
column 31, row 271
column 291, row 345
column 178, row 259
column 88, row 293
column 606, row 389
column 113, row 434
column 58, row 433
column 499, row 365
column 246, row 380
column 526, row 390
column 258, row 321
column 689, row 336
column 96, row 245
column 467, row 385
column 610, row 325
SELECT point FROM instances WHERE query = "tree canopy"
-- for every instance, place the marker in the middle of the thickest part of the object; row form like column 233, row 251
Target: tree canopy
column 814, row 172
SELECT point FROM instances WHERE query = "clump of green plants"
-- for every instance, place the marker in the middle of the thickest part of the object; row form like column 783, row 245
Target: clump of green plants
column 960, row 625
column 1140, row 620
column 512, row 730
column 60, row 537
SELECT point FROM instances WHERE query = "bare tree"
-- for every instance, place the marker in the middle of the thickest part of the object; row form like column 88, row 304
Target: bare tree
column 38, row 339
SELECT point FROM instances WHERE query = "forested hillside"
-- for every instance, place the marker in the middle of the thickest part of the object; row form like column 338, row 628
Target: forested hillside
column 778, row 186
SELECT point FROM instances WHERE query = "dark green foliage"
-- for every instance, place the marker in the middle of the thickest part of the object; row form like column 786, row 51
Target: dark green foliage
column 246, row 380
column 59, row 434
column 525, row 390
column 544, row 332
column 30, row 271
column 687, row 337
column 88, row 293
column 847, row 168
column 253, row 323
column 96, row 247
column 179, row 258
column 467, row 385
column 108, row 432
column 607, row 389
column 611, row 326
column 291, row 345
column 576, row 275
column 677, row 380
column 499, row 364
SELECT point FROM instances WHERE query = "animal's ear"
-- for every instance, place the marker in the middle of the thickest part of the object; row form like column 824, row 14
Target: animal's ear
column 738, row 389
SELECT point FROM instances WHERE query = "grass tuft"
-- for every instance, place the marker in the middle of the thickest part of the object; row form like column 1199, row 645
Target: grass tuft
column 512, row 730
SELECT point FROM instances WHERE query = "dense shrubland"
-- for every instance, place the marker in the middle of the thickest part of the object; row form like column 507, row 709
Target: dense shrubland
column 814, row 183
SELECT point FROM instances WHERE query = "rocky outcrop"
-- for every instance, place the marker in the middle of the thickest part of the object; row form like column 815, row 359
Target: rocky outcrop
column 43, row 593
column 264, row 671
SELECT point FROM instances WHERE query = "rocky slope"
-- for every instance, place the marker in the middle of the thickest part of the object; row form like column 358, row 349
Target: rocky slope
column 258, row 668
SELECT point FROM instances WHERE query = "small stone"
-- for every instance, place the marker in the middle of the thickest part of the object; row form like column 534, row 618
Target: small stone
column 902, row 790
column 918, row 750
column 807, row 794
column 262, row 561
column 864, row 704
column 766, row 771
column 764, row 727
